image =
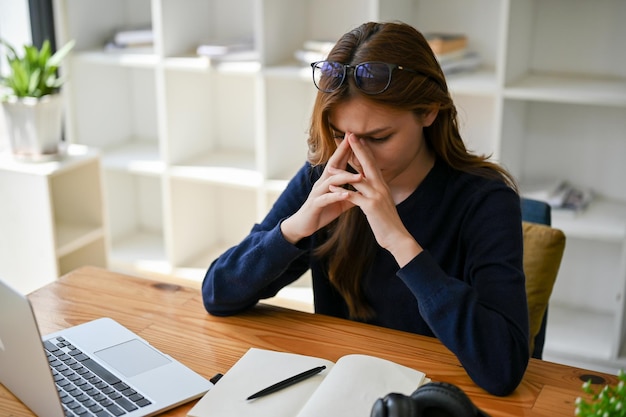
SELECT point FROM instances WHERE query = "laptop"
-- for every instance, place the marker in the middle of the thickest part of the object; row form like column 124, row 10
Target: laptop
column 99, row 368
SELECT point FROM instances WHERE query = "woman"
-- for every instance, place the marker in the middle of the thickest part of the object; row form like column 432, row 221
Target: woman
column 400, row 225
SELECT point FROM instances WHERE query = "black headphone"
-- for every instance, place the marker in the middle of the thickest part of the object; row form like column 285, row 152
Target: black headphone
column 435, row 399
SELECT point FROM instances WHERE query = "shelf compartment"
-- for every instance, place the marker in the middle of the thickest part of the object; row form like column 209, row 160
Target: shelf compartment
column 594, row 285
column 184, row 28
column 134, row 207
column 51, row 215
column 588, row 39
column 332, row 19
column 92, row 23
column 479, row 20
column 120, row 106
column 77, row 206
column 219, row 117
column 206, row 216
column 142, row 252
column 576, row 333
column 545, row 142
column 93, row 253
column 134, row 156
column 288, row 107
column 603, row 220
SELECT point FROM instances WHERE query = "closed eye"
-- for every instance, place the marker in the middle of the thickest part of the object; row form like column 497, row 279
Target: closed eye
column 338, row 135
column 377, row 140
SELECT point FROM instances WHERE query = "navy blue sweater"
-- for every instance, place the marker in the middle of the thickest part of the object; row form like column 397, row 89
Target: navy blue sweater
column 466, row 288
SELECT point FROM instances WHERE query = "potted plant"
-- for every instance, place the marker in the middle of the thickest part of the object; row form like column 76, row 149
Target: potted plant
column 32, row 104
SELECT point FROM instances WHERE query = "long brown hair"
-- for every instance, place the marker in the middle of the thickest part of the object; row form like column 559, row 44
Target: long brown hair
column 401, row 44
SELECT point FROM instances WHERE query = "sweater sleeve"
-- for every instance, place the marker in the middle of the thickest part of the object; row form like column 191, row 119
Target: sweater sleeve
column 481, row 318
column 264, row 261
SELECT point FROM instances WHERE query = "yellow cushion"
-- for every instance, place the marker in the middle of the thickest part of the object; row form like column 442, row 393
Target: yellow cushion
column 543, row 250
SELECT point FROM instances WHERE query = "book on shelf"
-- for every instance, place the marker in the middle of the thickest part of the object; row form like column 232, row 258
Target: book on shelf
column 347, row 388
column 460, row 61
column 452, row 56
column 214, row 49
column 443, row 43
column 559, row 194
column 228, row 51
column 140, row 36
column 139, row 40
column 452, row 52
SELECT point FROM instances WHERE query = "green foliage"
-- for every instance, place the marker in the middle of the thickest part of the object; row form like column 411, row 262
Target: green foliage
column 34, row 73
column 607, row 402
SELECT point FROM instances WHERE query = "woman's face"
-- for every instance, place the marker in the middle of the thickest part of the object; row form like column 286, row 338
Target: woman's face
column 395, row 137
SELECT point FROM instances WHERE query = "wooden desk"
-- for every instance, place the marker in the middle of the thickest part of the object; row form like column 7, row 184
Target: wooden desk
column 173, row 319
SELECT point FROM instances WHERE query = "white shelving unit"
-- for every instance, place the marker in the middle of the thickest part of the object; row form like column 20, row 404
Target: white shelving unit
column 51, row 217
column 563, row 108
column 195, row 152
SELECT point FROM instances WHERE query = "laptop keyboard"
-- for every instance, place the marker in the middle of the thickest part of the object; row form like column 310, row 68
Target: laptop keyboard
column 87, row 389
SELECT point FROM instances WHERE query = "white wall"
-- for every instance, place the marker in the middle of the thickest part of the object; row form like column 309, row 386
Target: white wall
column 15, row 29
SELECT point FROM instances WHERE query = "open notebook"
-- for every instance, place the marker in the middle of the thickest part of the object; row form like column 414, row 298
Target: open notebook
column 346, row 388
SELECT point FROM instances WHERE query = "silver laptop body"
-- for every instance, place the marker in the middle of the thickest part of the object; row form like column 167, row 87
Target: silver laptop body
column 156, row 381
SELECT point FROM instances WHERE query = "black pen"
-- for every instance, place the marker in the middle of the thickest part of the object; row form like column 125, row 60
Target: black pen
column 287, row 382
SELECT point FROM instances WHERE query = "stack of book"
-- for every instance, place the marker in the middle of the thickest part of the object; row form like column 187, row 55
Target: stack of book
column 452, row 52
column 228, row 50
column 132, row 40
column 560, row 195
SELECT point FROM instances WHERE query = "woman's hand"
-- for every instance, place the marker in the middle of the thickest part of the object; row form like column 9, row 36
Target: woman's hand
column 374, row 198
column 327, row 199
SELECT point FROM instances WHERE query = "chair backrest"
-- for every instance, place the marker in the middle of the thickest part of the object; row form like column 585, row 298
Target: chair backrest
column 543, row 251
column 536, row 211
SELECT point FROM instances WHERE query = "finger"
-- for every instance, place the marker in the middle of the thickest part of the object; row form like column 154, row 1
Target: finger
column 364, row 157
column 333, row 177
column 353, row 162
column 339, row 158
column 355, row 198
column 340, row 177
column 336, row 195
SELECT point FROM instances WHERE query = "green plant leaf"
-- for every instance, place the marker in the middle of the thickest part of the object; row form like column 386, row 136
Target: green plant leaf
column 58, row 56
column 34, row 74
column 44, row 54
column 35, row 78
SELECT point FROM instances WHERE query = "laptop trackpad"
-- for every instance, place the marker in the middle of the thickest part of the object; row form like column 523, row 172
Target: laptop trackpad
column 132, row 358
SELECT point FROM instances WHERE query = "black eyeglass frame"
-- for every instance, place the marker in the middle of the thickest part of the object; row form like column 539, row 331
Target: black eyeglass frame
column 354, row 68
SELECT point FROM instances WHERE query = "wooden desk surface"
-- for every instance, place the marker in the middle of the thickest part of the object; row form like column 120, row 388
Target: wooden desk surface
column 173, row 319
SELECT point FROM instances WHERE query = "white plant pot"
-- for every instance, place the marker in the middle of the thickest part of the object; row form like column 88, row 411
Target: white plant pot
column 34, row 126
